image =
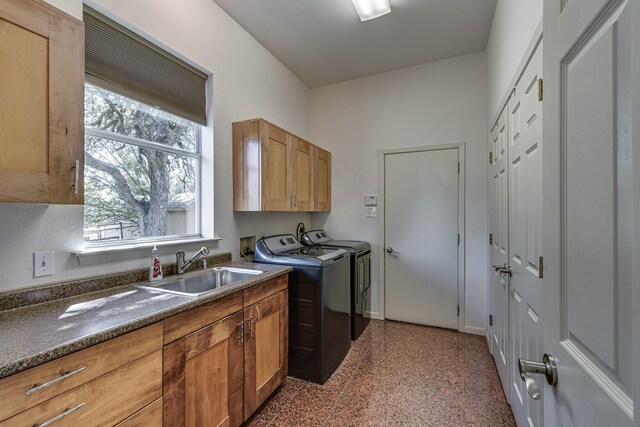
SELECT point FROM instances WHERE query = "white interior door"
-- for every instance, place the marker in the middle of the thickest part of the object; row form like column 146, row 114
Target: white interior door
column 499, row 242
column 421, row 237
column 525, row 235
column 590, row 223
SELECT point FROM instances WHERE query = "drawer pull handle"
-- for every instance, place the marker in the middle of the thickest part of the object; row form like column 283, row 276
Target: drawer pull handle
column 64, row 376
column 59, row 417
column 241, row 336
column 77, row 177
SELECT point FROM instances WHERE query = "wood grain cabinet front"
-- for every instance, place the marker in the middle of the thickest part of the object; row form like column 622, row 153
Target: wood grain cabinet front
column 203, row 376
column 99, row 385
column 266, row 349
column 322, row 179
column 221, row 373
column 41, row 104
column 274, row 170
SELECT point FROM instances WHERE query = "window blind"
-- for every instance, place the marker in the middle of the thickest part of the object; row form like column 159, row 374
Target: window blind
column 121, row 60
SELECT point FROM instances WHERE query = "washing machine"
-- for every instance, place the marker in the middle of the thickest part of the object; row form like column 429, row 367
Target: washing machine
column 319, row 304
column 360, row 274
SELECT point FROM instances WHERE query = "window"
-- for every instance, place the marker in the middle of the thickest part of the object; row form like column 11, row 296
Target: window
column 142, row 170
column 144, row 108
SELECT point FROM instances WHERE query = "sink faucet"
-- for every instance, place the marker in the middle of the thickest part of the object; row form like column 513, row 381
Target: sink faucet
column 181, row 265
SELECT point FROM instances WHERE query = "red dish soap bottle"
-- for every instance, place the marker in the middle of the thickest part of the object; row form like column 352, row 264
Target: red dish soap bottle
column 155, row 271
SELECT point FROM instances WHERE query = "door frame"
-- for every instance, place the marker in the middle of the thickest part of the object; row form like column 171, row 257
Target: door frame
column 460, row 145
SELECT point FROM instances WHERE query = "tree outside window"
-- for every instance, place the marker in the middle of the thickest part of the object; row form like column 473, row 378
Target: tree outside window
column 142, row 170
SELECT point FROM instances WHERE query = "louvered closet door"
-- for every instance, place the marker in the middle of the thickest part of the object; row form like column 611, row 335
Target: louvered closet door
column 499, row 247
column 525, row 235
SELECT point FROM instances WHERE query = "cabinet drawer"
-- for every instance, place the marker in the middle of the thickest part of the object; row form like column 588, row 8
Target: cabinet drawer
column 105, row 400
column 26, row 389
column 191, row 320
column 149, row 416
column 263, row 290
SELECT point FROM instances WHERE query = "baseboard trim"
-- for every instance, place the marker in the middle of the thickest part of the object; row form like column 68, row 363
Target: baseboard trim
column 474, row 330
column 373, row 315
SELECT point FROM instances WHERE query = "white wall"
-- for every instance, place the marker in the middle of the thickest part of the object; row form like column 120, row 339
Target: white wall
column 514, row 24
column 443, row 101
column 248, row 82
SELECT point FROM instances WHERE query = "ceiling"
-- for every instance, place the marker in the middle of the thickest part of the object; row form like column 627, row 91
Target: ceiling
column 324, row 42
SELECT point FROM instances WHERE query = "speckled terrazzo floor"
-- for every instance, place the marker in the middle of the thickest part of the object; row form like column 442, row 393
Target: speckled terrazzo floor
column 398, row 374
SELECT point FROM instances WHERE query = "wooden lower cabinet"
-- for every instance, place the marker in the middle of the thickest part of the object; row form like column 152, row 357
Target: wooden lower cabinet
column 101, row 385
column 104, row 401
column 220, row 374
column 203, row 376
column 265, row 350
column 220, row 362
column 149, row 416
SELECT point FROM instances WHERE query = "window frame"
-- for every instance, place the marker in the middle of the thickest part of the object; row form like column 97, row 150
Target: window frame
column 138, row 142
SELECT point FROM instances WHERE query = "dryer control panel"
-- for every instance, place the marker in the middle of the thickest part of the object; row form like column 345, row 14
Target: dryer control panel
column 282, row 243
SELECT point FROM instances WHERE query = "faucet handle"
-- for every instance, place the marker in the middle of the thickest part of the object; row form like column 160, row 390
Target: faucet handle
column 204, row 263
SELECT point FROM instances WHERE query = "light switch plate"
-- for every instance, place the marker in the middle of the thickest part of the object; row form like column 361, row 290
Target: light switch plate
column 371, row 212
column 370, row 200
column 42, row 264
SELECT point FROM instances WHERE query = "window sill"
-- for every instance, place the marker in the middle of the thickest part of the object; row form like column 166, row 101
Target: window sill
column 132, row 247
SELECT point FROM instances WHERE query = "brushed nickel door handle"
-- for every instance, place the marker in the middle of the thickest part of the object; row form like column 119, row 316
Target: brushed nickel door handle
column 503, row 270
column 547, row 367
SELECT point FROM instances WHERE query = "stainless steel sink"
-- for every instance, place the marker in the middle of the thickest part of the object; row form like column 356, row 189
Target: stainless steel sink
column 197, row 285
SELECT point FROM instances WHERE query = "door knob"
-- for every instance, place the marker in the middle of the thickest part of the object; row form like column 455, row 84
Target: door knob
column 503, row 269
column 547, row 367
column 391, row 251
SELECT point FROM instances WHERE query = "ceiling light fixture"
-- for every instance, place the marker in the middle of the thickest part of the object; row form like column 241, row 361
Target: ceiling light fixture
column 369, row 9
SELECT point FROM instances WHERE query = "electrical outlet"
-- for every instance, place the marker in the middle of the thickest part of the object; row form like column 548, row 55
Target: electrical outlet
column 42, row 264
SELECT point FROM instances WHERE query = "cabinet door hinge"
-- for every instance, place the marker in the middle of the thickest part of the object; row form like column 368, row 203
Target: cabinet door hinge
column 458, row 167
column 541, row 268
column 490, row 157
column 491, row 238
column 458, row 239
column 540, row 90
column 458, row 309
column 491, row 320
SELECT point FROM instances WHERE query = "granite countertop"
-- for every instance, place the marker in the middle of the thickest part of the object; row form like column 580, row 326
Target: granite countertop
column 35, row 334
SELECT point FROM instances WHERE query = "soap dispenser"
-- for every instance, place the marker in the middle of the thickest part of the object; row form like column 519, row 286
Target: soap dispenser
column 155, row 271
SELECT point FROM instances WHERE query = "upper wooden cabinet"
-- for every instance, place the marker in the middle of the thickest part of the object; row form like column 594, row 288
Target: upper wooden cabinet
column 274, row 170
column 41, row 104
column 304, row 182
column 322, row 179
